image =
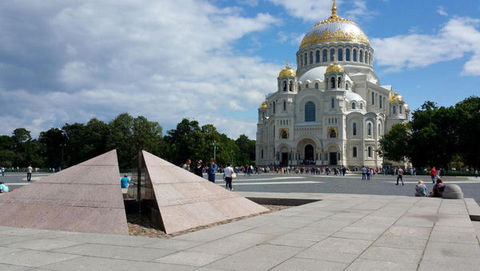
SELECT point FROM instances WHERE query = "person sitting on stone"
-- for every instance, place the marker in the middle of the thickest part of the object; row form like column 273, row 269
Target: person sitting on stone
column 420, row 189
column 124, row 181
column 438, row 189
column 3, row 188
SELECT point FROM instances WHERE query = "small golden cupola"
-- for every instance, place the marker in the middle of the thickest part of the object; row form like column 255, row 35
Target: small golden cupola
column 335, row 67
column 287, row 71
column 264, row 105
column 395, row 97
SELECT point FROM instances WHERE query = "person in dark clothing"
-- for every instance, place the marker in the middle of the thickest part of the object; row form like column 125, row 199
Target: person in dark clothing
column 198, row 170
column 212, row 169
column 438, row 189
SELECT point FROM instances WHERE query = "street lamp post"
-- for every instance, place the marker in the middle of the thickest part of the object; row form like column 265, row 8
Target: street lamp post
column 215, row 145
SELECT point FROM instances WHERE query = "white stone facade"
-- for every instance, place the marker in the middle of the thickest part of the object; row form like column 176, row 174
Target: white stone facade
column 332, row 110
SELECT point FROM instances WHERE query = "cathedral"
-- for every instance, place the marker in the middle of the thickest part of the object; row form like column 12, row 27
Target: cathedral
column 332, row 110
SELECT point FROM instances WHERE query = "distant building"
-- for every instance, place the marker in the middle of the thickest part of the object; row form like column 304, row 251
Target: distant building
column 332, row 110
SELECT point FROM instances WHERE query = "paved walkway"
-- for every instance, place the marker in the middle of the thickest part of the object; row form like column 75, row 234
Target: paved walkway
column 340, row 232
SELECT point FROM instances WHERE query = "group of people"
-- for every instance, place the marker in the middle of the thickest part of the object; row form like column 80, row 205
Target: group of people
column 228, row 172
column 367, row 173
column 437, row 190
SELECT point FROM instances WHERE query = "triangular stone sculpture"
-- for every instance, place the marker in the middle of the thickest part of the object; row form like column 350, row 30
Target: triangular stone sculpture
column 83, row 198
column 184, row 200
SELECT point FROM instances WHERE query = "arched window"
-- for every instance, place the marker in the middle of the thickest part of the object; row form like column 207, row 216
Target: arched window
column 354, row 128
column 347, row 54
column 369, row 129
column 366, row 57
column 332, row 82
column 379, row 130
column 284, row 85
column 332, row 103
column 301, row 61
column 305, row 59
column 311, row 57
column 284, row 105
column 262, row 154
column 361, row 56
column 354, row 106
column 317, row 56
column 394, row 110
column 306, row 86
column 373, row 98
column 380, row 100
column 339, row 82
column 354, row 154
column 340, row 55
column 316, row 85
column 324, row 55
column 346, row 86
column 369, row 151
column 332, row 133
column 361, row 106
column 332, row 54
column 400, row 109
column 273, row 107
column 309, row 112
column 355, row 55
column 291, row 85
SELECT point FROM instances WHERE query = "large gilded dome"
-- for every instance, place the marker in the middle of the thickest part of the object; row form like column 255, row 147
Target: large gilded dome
column 334, row 28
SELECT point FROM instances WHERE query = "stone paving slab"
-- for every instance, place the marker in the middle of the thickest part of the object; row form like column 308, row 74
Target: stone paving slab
column 340, row 232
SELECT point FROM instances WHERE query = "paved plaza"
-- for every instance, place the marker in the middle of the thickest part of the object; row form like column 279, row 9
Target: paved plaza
column 354, row 225
column 339, row 232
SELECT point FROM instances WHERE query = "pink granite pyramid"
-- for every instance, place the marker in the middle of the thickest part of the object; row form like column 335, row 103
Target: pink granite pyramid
column 83, row 198
column 185, row 200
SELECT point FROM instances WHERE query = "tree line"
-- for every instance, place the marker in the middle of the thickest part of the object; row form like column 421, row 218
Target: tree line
column 437, row 136
column 77, row 142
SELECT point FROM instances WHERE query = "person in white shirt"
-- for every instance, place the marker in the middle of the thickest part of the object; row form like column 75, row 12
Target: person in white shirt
column 29, row 173
column 227, row 174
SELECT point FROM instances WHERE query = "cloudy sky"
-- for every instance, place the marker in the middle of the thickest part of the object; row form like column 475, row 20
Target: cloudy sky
column 65, row 61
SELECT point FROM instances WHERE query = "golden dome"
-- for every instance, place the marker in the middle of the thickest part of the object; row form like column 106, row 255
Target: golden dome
column 406, row 107
column 334, row 28
column 287, row 71
column 395, row 97
column 335, row 67
column 264, row 105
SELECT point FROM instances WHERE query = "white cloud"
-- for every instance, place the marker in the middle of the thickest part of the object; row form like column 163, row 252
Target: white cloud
column 458, row 38
column 162, row 59
column 316, row 10
column 441, row 11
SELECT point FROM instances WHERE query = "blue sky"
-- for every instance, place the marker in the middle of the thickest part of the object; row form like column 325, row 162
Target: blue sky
column 213, row 61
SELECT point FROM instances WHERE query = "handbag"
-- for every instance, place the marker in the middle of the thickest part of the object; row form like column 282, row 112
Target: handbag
column 234, row 175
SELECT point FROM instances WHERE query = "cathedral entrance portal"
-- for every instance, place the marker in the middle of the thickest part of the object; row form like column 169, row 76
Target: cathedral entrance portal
column 333, row 158
column 309, row 159
column 284, row 159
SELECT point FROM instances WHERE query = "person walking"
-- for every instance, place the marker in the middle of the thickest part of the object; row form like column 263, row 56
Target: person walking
column 29, row 173
column 364, row 173
column 227, row 174
column 198, row 170
column 433, row 174
column 400, row 176
column 476, row 173
column 212, row 169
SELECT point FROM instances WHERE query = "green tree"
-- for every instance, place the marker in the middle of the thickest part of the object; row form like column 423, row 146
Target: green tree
column 468, row 130
column 393, row 145
column 246, row 150
column 52, row 143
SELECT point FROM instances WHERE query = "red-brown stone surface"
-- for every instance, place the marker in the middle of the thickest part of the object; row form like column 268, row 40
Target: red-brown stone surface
column 186, row 200
column 84, row 198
